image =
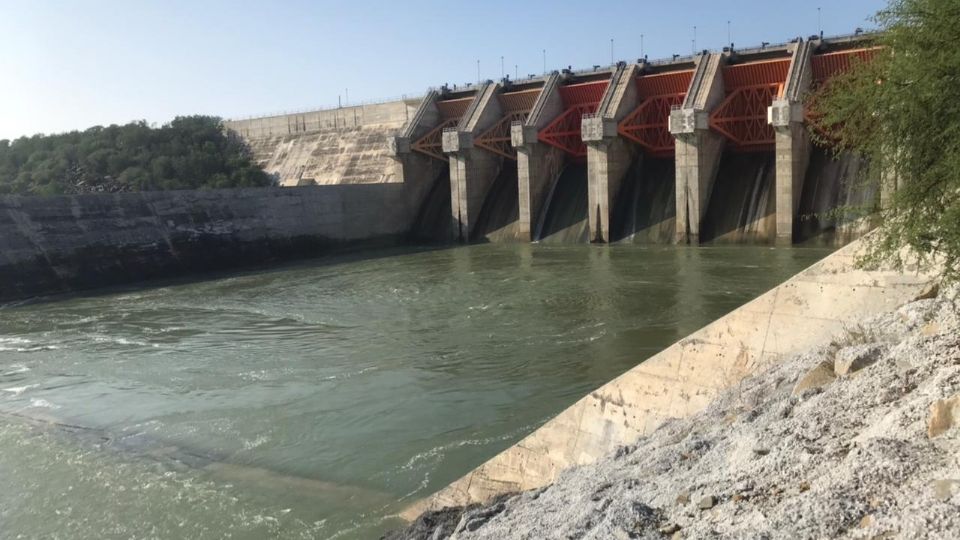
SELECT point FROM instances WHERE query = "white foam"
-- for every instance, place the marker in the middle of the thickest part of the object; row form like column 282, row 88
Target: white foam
column 250, row 445
column 16, row 368
column 17, row 390
column 42, row 404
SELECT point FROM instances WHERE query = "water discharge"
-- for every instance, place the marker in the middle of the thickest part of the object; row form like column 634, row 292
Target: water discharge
column 433, row 219
column 499, row 219
column 836, row 196
column 318, row 399
column 565, row 212
column 742, row 206
column 646, row 212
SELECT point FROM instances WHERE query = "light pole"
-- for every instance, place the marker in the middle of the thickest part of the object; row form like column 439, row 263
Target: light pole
column 502, row 74
column 544, row 61
column 478, row 71
column 642, row 55
column 612, row 61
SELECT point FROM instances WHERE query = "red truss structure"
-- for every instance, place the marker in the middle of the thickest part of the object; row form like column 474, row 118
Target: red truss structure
column 751, row 89
column 578, row 100
column 497, row 138
column 516, row 106
column 829, row 65
column 451, row 111
column 648, row 124
column 431, row 144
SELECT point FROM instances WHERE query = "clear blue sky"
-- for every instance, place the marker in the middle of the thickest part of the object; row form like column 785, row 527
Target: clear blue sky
column 69, row 65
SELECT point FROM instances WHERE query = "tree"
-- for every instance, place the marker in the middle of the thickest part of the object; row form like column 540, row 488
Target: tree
column 902, row 109
column 191, row 152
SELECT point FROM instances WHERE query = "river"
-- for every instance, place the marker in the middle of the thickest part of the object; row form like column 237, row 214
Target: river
column 317, row 399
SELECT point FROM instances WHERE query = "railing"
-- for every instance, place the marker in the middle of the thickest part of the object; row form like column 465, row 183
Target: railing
column 584, row 71
column 325, row 108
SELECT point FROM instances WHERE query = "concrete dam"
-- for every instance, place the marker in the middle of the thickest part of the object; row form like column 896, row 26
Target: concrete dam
column 706, row 148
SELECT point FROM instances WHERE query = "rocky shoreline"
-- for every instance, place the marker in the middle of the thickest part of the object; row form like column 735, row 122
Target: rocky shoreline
column 858, row 438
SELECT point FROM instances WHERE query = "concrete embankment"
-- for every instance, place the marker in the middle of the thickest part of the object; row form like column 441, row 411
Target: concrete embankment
column 810, row 308
column 857, row 437
column 325, row 147
column 58, row 244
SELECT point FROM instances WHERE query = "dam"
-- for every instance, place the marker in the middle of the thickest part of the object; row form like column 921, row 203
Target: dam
column 243, row 400
column 701, row 149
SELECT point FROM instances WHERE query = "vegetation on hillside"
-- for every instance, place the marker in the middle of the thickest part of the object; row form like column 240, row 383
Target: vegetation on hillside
column 191, row 152
column 902, row 109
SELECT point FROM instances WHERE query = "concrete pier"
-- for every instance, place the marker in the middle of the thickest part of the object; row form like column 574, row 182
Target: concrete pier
column 608, row 155
column 472, row 169
column 792, row 140
column 415, row 168
column 698, row 149
column 538, row 164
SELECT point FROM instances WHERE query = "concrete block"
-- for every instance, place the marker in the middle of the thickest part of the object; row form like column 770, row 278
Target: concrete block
column 596, row 128
column 457, row 141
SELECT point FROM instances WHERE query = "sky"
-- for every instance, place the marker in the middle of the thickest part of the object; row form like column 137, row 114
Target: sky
column 68, row 65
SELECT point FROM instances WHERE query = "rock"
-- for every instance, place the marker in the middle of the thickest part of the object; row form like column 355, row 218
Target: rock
column 669, row 528
column 760, row 451
column 683, row 498
column 930, row 329
column 930, row 291
column 708, row 502
column 851, row 359
column 944, row 415
column 804, row 486
column 943, row 490
column 867, row 521
column 821, row 375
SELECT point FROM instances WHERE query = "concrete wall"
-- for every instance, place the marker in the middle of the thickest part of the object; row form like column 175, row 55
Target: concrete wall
column 810, row 308
column 57, row 244
column 337, row 146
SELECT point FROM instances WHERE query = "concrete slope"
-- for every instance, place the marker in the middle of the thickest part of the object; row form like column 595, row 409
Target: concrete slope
column 812, row 307
column 338, row 146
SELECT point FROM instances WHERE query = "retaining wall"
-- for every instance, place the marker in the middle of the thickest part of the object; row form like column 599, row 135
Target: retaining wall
column 66, row 243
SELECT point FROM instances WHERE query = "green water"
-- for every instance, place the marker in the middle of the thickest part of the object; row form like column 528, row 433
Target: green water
column 316, row 400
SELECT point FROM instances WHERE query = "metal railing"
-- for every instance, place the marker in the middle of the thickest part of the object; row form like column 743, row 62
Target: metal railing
column 676, row 59
column 326, row 108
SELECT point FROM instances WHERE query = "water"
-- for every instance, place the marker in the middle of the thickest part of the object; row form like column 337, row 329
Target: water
column 742, row 206
column 565, row 212
column 499, row 219
column 836, row 196
column 433, row 218
column 646, row 209
column 316, row 400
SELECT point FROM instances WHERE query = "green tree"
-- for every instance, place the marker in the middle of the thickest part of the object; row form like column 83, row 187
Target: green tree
column 902, row 109
column 191, row 152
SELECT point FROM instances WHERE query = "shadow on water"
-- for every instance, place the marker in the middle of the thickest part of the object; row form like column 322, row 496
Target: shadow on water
column 565, row 218
column 742, row 206
column 646, row 210
column 499, row 219
column 433, row 220
column 833, row 183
